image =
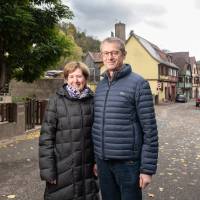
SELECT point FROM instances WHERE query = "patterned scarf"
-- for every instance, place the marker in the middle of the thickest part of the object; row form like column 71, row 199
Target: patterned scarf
column 77, row 94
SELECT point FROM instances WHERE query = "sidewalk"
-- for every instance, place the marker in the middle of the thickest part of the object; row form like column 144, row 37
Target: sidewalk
column 19, row 171
column 31, row 134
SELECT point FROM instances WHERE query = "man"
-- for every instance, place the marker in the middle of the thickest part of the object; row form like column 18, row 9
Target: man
column 124, row 129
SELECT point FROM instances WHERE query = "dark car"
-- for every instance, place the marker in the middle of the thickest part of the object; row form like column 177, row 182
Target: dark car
column 198, row 101
column 181, row 98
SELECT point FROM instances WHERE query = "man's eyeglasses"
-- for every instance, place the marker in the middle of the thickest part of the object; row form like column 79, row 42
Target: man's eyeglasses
column 112, row 53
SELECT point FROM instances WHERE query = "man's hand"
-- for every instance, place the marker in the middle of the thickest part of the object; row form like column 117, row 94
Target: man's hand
column 145, row 179
column 95, row 170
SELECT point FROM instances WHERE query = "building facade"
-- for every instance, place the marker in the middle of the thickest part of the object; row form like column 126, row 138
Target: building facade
column 195, row 77
column 184, row 85
column 154, row 65
column 94, row 61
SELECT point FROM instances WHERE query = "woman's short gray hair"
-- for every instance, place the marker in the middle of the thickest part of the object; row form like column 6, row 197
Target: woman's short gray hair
column 72, row 66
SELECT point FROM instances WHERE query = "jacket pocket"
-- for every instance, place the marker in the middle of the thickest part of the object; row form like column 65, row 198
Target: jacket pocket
column 126, row 98
column 137, row 136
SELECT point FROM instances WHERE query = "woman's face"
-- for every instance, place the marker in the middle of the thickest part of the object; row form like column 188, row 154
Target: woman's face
column 76, row 79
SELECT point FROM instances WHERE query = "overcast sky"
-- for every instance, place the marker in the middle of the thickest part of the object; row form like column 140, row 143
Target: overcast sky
column 169, row 24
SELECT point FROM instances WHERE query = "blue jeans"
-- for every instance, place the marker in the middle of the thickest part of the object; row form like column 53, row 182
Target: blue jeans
column 119, row 180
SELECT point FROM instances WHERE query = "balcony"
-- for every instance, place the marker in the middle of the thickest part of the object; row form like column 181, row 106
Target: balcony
column 188, row 73
column 169, row 78
column 185, row 85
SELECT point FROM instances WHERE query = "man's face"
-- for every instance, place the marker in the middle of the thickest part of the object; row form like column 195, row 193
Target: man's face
column 112, row 56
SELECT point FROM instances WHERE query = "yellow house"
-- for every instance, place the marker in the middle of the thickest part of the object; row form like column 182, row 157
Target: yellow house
column 154, row 65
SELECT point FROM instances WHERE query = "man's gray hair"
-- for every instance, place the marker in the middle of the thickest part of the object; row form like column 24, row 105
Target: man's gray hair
column 114, row 40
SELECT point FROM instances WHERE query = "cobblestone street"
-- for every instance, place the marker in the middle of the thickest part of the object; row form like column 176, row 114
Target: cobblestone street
column 178, row 175
column 179, row 156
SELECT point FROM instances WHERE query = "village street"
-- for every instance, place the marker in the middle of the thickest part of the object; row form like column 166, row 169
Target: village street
column 178, row 176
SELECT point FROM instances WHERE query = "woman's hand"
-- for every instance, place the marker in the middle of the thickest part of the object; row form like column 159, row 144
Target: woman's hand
column 95, row 170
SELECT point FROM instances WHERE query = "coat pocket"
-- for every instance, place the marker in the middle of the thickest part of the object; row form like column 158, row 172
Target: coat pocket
column 137, row 136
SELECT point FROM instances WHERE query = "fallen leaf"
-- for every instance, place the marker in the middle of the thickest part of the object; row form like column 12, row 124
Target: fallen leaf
column 180, row 188
column 12, row 196
column 151, row 195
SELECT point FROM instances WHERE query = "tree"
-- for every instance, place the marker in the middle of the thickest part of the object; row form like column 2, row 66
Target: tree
column 76, row 53
column 87, row 43
column 30, row 40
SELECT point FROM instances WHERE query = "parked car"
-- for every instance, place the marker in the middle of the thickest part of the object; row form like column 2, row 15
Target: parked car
column 181, row 98
column 198, row 101
column 53, row 73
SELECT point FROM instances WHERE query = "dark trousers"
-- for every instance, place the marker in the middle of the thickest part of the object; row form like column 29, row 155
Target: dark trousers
column 119, row 180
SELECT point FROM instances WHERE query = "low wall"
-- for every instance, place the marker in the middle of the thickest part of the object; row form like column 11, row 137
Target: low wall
column 9, row 129
column 41, row 89
column 5, row 99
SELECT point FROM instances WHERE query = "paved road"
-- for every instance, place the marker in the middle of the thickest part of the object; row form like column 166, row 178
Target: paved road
column 19, row 168
column 178, row 174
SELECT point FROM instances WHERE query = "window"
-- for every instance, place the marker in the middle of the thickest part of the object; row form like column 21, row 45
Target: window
column 180, row 79
column 94, row 75
column 165, row 70
column 161, row 70
column 170, row 71
column 173, row 72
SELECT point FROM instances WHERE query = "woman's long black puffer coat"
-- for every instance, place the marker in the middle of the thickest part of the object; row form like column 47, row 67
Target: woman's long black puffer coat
column 66, row 150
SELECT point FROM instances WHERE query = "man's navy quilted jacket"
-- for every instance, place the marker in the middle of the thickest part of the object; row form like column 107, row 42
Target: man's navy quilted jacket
column 124, row 125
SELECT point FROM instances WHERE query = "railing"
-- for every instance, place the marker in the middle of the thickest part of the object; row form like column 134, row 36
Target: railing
column 34, row 112
column 40, row 110
column 185, row 85
column 8, row 112
column 29, row 114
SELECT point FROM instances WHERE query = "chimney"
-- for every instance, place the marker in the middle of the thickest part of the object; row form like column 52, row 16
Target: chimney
column 120, row 31
column 131, row 33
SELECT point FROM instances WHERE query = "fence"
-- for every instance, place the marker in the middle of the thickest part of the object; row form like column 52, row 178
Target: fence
column 34, row 112
column 8, row 112
column 16, row 118
column 12, row 119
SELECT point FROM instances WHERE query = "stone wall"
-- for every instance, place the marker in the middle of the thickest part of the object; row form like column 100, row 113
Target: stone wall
column 5, row 99
column 41, row 89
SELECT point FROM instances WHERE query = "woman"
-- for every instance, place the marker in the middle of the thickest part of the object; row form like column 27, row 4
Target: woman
column 65, row 148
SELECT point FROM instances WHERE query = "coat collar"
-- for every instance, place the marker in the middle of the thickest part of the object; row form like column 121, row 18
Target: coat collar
column 124, row 71
column 63, row 92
